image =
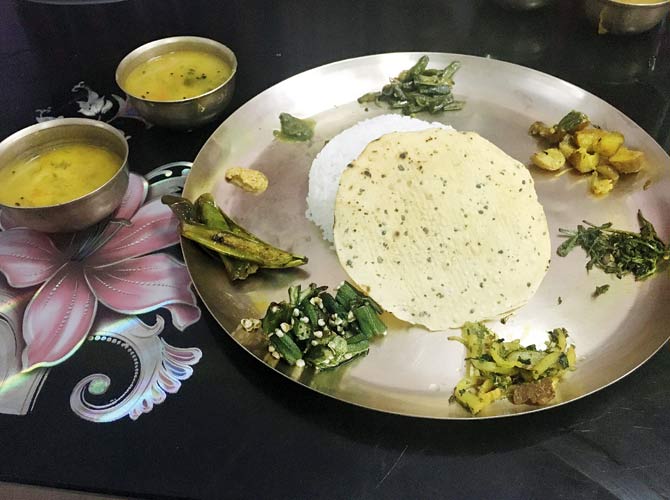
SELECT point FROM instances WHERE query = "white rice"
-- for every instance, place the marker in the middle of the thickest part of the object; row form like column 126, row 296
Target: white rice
column 345, row 147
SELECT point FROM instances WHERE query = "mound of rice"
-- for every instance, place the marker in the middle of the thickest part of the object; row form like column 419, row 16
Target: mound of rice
column 327, row 167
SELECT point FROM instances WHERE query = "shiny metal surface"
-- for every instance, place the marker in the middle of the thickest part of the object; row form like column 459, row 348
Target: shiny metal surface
column 412, row 371
column 619, row 18
column 523, row 4
column 184, row 113
column 86, row 210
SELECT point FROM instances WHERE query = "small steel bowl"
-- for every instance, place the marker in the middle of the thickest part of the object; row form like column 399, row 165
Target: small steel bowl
column 182, row 113
column 86, row 210
column 616, row 17
column 522, row 4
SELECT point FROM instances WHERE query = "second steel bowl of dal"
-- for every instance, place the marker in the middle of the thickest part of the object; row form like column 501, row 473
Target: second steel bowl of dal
column 181, row 112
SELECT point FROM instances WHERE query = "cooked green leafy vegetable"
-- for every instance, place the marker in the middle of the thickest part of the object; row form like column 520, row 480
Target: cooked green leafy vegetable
column 496, row 369
column 618, row 252
column 572, row 122
column 600, row 290
column 294, row 129
column 323, row 331
column 241, row 252
column 419, row 89
column 569, row 124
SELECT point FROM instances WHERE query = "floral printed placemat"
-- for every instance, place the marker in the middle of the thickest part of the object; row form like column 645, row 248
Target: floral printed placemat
column 60, row 291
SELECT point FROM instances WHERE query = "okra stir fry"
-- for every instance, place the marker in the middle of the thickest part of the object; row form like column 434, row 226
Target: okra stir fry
column 320, row 330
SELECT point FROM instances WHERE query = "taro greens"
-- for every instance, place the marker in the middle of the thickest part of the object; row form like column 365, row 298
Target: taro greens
column 419, row 89
column 618, row 252
column 241, row 252
column 319, row 329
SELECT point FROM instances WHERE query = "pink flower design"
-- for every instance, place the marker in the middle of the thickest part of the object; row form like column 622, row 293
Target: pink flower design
column 117, row 268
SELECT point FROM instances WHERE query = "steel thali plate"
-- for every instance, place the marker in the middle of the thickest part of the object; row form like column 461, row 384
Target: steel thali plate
column 412, row 371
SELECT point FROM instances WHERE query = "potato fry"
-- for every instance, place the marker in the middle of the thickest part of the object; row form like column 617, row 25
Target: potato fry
column 584, row 161
column 567, row 146
column 600, row 186
column 588, row 149
column 550, row 159
column 627, row 161
column 608, row 143
column 607, row 171
column 587, row 138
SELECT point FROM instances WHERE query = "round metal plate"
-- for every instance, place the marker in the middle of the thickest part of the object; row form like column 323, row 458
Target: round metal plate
column 412, row 371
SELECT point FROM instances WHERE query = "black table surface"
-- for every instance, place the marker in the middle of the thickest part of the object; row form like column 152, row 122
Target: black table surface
column 236, row 429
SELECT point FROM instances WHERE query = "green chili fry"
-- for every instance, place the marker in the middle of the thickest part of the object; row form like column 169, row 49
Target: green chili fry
column 618, row 252
column 241, row 252
column 419, row 89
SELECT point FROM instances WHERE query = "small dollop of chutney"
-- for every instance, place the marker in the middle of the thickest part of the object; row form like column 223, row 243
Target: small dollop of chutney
column 248, row 179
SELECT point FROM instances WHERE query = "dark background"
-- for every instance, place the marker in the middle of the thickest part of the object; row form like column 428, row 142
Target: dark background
column 235, row 429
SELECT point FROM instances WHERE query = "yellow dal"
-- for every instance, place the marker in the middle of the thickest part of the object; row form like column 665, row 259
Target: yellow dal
column 57, row 176
column 177, row 75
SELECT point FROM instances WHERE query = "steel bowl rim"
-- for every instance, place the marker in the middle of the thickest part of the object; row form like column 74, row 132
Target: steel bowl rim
column 157, row 43
column 66, row 122
column 634, row 6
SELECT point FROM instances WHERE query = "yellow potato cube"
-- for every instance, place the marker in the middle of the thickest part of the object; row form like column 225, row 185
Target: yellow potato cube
column 608, row 144
column 600, row 186
column 607, row 172
column 587, row 138
column 567, row 146
column 549, row 159
column 627, row 161
column 584, row 161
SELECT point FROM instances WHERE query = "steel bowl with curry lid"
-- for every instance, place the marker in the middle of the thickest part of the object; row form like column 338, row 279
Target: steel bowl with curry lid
column 63, row 175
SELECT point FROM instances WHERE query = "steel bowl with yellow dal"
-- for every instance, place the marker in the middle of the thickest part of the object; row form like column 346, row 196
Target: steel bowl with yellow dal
column 179, row 82
column 441, row 228
column 63, row 175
